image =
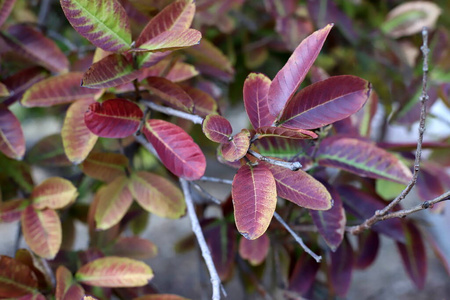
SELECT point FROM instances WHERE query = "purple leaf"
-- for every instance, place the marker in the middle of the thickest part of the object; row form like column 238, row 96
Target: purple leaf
column 341, row 268
column 296, row 134
column 368, row 246
column 12, row 140
column 170, row 93
column 217, row 128
column 236, row 148
column 325, row 102
column 256, row 87
column 304, row 274
column 5, row 9
column 21, row 81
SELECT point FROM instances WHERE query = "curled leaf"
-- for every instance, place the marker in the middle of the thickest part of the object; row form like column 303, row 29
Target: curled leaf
column 217, row 128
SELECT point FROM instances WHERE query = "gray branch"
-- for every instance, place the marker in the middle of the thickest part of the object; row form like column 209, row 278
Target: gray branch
column 293, row 166
column 173, row 112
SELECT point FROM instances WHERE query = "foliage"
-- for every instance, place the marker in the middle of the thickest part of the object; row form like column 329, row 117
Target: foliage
column 123, row 77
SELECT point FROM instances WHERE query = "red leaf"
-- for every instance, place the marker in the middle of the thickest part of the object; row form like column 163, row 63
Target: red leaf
column 33, row 45
column 236, row 148
column 57, row 90
column 133, row 247
column 255, row 251
column 5, row 9
column 295, row 134
column 114, row 118
column 304, row 274
column 54, row 193
column 254, row 199
column 10, row 211
column 204, row 103
column 66, row 287
column 114, row 272
column 325, row 102
column 341, row 268
column 77, row 139
column 289, row 78
column 12, row 140
column 16, row 278
column 21, row 81
column 300, row 188
column 171, row 40
column 362, row 158
column 256, row 88
column 176, row 149
column 217, row 128
column 42, row 231
column 105, row 166
column 413, row 255
column 170, row 93
column 177, row 72
column 368, row 246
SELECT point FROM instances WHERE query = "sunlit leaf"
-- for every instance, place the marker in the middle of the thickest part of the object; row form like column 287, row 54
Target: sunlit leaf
column 177, row 150
column 170, row 93
column 114, row 272
column 105, row 166
column 42, row 231
column 237, row 147
column 66, row 287
column 217, row 128
column 10, row 211
column 48, row 151
column 287, row 133
column 325, row 102
column 289, row 78
column 113, row 203
column 254, row 195
column 171, row 40
column 157, row 195
column 77, row 139
column 104, row 23
column 12, row 140
column 54, row 193
column 114, row 118
column 204, row 103
column 16, row 278
column 5, row 9
column 304, row 274
column 133, row 247
column 368, row 246
column 56, row 90
column 34, row 46
column 341, row 268
column 362, row 158
column 255, row 251
column 256, row 88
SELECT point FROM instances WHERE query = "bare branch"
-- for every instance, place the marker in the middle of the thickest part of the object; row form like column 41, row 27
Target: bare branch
column 298, row 239
column 293, row 166
column 173, row 112
column 215, row 279
column 217, row 180
column 206, row 193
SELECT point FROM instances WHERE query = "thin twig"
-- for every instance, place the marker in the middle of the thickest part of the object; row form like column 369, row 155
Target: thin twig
column 298, row 239
column 173, row 112
column 206, row 193
column 215, row 279
column 293, row 166
column 217, row 180
column 43, row 11
column 379, row 214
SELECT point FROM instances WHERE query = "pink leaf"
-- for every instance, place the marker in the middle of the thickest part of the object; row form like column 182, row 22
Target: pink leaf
column 54, row 193
column 255, row 251
column 236, row 148
column 21, row 81
column 171, row 40
column 12, row 140
column 217, row 128
column 66, row 287
column 10, row 211
column 105, row 166
column 5, row 9
column 170, row 93
column 204, row 103
column 133, row 247
column 256, row 88
column 287, row 133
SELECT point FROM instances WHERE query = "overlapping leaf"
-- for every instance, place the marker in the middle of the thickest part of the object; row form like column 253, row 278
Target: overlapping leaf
column 54, row 193
column 34, row 46
column 56, row 90
column 5, row 9
column 113, row 203
column 362, row 158
column 296, row 134
column 285, row 149
column 325, row 102
column 16, row 278
column 256, row 88
column 300, row 188
column 114, row 272
column 171, row 40
column 66, row 287
column 176, row 149
column 170, row 93
column 254, row 195
column 77, row 139
column 10, row 211
column 157, row 195
column 217, row 128
column 48, row 151
column 368, row 246
column 133, row 247
column 236, row 148
column 177, row 72
column 12, row 140
column 105, row 166
column 289, row 78
column 304, row 274
column 37, row 266
column 104, row 23
column 341, row 268
column 42, row 231
column 114, row 118
column 204, row 103
column 255, row 251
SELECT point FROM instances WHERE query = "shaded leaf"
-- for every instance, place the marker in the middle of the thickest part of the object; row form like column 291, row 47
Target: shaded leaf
column 368, row 246
column 104, row 23
column 285, row 149
column 77, row 139
column 304, row 274
column 56, row 90
column 160, row 297
column 237, row 147
column 255, row 251
column 42, row 231
column 5, row 9
column 54, row 193
column 341, row 268
column 133, row 247
column 254, row 199
column 16, row 278
column 17, row 171
column 256, row 88
column 114, row 118
column 34, row 296
column 217, row 128
column 176, row 72
column 66, row 287
column 176, row 149
column 325, row 102
column 49, row 151
column 12, row 140
column 171, row 40
column 10, row 211
column 34, row 46
column 170, row 93
column 105, row 166
column 204, row 103
column 413, row 255
column 295, row 134
column 289, row 78
column 331, row 223
column 300, row 188
column 113, row 203
column 111, row 71
column 157, row 195
column 114, row 272
column 362, row 158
